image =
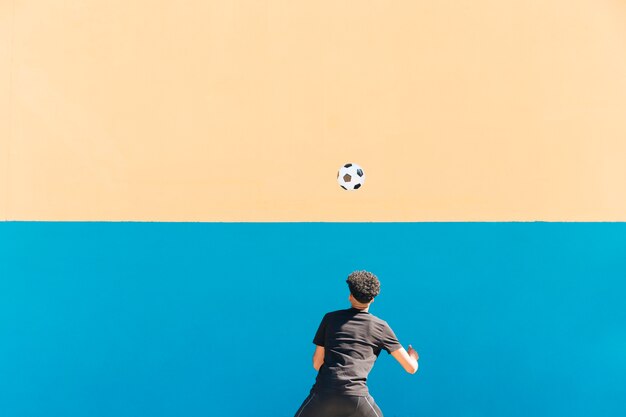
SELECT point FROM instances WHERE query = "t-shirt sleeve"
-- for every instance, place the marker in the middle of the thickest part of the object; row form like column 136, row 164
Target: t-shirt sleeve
column 390, row 342
column 320, row 337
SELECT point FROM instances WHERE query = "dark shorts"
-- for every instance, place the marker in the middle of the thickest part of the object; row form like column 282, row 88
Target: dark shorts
column 336, row 405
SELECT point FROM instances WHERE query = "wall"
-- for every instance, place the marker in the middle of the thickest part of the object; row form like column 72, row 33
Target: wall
column 244, row 110
column 170, row 319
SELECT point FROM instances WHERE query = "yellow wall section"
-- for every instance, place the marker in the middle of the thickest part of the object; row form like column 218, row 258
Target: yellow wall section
column 243, row 110
column 6, row 45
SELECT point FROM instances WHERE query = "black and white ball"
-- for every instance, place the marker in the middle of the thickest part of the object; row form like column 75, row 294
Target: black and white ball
column 351, row 177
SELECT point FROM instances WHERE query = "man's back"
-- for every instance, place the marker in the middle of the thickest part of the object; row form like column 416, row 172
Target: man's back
column 352, row 340
column 348, row 343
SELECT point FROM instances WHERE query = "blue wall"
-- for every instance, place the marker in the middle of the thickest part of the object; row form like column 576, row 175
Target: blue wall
column 214, row 319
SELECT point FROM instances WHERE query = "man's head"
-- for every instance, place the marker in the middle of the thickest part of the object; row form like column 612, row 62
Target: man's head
column 364, row 286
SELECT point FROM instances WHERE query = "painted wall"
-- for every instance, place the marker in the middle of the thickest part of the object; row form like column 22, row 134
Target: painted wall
column 171, row 319
column 243, row 110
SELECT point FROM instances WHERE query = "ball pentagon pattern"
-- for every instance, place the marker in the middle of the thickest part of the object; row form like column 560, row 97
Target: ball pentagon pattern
column 350, row 177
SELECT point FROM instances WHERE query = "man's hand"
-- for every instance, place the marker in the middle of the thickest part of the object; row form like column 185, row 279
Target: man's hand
column 318, row 357
column 408, row 360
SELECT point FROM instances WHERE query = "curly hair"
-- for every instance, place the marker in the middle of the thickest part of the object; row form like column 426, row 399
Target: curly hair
column 364, row 286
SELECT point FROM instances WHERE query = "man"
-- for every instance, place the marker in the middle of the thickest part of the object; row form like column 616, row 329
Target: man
column 348, row 343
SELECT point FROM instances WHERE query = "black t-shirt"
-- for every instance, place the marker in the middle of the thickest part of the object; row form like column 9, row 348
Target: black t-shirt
column 352, row 341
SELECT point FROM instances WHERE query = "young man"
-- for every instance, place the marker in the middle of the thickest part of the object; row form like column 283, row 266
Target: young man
column 348, row 343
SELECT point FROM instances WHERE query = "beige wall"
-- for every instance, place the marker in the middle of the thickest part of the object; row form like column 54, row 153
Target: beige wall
column 244, row 110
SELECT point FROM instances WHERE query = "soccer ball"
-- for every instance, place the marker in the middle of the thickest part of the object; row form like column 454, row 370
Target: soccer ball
column 350, row 177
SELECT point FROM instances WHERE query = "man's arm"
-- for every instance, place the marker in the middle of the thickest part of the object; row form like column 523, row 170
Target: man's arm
column 318, row 357
column 408, row 360
column 319, row 340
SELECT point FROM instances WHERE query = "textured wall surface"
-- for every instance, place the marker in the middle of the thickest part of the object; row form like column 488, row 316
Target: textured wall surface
column 244, row 110
column 161, row 319
column 237, row 115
